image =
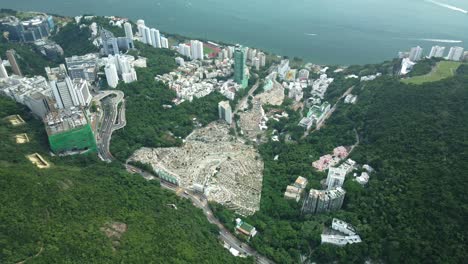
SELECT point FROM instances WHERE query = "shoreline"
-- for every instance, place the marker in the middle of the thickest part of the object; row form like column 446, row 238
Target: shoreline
column 271, row 51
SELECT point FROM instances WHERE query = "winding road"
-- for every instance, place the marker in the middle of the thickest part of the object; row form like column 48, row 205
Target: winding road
column 200, row 201
column 112, row 120
column 111, row 115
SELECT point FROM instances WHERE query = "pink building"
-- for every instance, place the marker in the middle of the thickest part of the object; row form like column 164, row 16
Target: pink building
column 340, row 152
column 323, row 163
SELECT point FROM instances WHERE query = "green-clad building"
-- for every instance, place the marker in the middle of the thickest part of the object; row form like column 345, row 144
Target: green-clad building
column 240, row 68
column 69, row 131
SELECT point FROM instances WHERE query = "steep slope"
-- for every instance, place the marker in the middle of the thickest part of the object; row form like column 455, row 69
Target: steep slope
column 81, row 210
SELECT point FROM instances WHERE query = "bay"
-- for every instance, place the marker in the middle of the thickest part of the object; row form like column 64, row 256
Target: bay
column 320, row 31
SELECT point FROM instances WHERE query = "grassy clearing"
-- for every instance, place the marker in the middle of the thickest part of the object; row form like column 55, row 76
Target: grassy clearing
column 442, row 70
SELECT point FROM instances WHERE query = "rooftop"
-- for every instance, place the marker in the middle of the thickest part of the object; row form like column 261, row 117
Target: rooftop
column 64, row 120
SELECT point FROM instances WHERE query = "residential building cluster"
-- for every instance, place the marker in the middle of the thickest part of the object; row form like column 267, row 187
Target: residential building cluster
column 341, row 234
column 253, row 57
column 321, row 201
column 296, row 190
column 112, row 45
column 194, row 50
column 120, row 65
column 371, row 77
column 83, row 67
column 296, row 90
column 199, row 77
column 320, row 86
column 149, row 36
column 33, row 92
column 28, row 30
column 331, row 160
column 60, row 102
column 317, row 110
column 315, row 116
column 416, row 53
column 364, row 177
column 195, row 79
column 409, row 59
column 295, row 81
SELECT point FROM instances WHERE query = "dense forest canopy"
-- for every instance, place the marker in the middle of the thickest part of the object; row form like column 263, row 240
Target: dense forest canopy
column 414, row 208
column 62, row 213
column 412, row 211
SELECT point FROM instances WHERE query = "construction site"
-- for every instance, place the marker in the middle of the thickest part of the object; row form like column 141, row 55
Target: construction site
column 211, row 161
column 69, row 131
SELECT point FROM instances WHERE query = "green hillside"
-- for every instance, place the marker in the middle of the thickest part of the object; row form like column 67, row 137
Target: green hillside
column 442, row 70
column 62, row 214
column 414, row 208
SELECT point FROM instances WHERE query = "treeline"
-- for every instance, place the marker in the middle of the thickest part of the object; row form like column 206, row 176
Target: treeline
column 386, row 68
column 423, row 67
column 160, row 61
column 60, row 213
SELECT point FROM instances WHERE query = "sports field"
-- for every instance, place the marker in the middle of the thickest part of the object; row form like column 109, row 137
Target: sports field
column 442, row 70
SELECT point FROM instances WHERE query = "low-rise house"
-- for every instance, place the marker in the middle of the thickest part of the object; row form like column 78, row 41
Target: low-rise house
column 318, row 112
column 301, row 182
column 363, row 179
column 245, row 228
column 340, row 152
column 328, row 160
column 306, row 123
column 293, row 193
column 368, row 168
column 341, row 234
column 340, row 240
column 350, row 99
column 296, row 190
column 343, row 227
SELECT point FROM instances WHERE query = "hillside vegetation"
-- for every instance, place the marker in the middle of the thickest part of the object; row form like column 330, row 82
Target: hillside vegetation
column 75, row 40
column 414, row 208
column 81, row 210
column 149, row 123
column 441, row 70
